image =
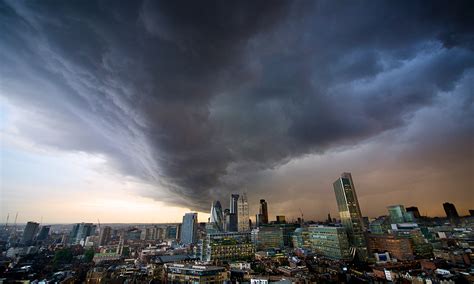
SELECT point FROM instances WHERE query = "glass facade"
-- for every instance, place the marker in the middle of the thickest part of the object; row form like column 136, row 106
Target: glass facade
column 349, row 212
column 331, row 242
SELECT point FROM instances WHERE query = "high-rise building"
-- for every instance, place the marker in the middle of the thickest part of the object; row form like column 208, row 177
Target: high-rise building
column 263, row 212
column 414, row 210
column 217, row 217
column 44, row 233
column 233, row 203
column 450, row 210
column 29, row 233
column 350, row 214
column 399, row 248
column 104, row 235
column 243, row 214
column 189, row 228
column 471, row 212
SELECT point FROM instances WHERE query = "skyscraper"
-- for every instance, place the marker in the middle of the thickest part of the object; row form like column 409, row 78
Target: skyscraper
column 450, row 210
column 232, row 217
column 217, row 217
column 350, row 214
column 189, row 228
column 44, row 233
column 104, row 236
column 398, row 214
column 29, row 233
column 243, row 214
column 263, row 212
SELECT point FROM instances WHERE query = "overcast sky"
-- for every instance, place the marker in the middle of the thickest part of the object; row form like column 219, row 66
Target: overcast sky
column 139, row 111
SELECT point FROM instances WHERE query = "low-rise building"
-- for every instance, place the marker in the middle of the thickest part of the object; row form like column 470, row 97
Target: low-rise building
column 188, row 273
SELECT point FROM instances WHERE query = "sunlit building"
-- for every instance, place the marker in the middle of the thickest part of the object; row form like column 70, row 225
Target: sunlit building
column 350, row 214
column 188, row 273
column 243, row 214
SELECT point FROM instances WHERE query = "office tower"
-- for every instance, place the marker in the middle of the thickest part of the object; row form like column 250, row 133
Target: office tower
column 263, row 212
column 350, row 214
column 280, row 219
column 450, row 210
column 398, row 214
column 414, row 210
column 43, row 233
column 233, row 203
column 80, row 231
column 399, row 248
column 331, row 242
column 471, row 212
column 243, row 214
column 29, row 233
column 104, row 236
column 189, row 228
column 217, row 217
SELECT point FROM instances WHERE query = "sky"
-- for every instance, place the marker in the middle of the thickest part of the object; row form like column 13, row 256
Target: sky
column 140, row 111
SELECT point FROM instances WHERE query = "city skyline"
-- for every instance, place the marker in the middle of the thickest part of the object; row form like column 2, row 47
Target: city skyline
column 140, row 112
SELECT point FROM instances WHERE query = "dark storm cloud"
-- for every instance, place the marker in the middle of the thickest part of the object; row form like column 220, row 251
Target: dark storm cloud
column 197, row 96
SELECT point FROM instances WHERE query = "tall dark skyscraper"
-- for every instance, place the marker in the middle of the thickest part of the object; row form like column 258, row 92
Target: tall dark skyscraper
column 350, row 214
column 232, row 217
column 104, row 235
column 189, row 228
column 29, row 233
column 234, row 198
column 450, row 210
column 263, row 212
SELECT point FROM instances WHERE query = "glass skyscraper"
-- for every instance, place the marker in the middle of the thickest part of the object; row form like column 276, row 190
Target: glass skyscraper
column 189, row 228
column 350, row 214
column 217, row 217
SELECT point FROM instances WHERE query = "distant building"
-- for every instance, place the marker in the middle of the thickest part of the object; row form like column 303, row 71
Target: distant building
column 451, row 212
column 29, row 233
column 414, row 210
column 471, row 212
column 188, row 273
column 189, row 228
column 243, row 214
column 232, row 218
column 43, row 233
column 280, row 219
column 229, row 246
column 349, row 211
column 331, row 242
column 263, row 212
column 274, row 236
column 217, row 216
column 104, row 236
column 398, row 214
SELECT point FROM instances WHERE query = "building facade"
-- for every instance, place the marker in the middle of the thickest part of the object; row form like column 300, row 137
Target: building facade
column 230, row 246
column 189, row 228
column 243, row 214
column 331, row 242
column 350, row 213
